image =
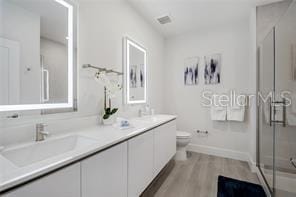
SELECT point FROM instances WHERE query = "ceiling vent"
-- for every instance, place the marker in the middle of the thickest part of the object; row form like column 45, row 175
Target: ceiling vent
column 164, row 19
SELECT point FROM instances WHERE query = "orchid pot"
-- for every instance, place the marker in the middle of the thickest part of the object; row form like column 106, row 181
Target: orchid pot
column 108, row 121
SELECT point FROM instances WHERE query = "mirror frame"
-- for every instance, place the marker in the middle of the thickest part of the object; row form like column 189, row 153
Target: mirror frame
column 69, row 104
column 129, row 42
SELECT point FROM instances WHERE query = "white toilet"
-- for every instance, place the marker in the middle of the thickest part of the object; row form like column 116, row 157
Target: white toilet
column 183, row 139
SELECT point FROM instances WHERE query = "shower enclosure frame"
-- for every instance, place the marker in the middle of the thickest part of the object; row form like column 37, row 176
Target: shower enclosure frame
column 273, row 160
column 270, row 189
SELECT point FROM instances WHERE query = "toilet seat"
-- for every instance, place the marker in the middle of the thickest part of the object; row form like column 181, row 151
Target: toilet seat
column 183, row 139
column 182, row 134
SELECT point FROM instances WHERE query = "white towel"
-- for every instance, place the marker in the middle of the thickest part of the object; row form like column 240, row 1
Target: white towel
column 218, row 113
column 122, row 123
column 236, row 113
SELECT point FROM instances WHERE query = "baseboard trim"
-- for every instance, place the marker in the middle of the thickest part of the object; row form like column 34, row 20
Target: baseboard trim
column 252, row 164
column 220, row 152
column 226, row 153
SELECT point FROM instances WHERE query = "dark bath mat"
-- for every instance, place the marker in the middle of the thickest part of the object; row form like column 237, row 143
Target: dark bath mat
column 228, row 187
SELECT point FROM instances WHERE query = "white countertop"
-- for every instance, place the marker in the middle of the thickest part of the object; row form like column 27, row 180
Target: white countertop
column 105, row 136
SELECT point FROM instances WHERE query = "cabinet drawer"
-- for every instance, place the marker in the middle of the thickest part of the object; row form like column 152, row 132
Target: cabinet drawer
column 140, row 163
column 63, row 183
column 105, row 174
column 164, row 145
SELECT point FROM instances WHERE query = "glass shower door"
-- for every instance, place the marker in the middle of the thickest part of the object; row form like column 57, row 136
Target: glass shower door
column 266, row 130
column 277, row 107
column 285, row 112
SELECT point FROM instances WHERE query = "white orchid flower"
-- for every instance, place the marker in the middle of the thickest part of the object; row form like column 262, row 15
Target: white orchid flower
column 111, row 85
column 102, row 78
column 113, row 88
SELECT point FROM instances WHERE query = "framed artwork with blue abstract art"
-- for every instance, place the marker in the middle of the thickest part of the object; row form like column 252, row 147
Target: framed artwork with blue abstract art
column 212, row 71
column 191, row 71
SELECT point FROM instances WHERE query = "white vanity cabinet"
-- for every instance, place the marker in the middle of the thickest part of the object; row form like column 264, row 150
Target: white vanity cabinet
column 164, row 145
column 105, row 174
column 148, row 154
column 122, row 170
column 62, row 183
column 140, row 163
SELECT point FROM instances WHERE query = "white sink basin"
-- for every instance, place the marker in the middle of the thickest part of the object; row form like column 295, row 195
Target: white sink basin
column 39, row 151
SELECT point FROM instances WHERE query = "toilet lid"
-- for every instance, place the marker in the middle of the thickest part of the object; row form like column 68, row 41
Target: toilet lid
column 182, row 134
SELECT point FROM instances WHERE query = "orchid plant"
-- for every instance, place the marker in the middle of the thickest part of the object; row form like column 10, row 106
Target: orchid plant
column 111, row 87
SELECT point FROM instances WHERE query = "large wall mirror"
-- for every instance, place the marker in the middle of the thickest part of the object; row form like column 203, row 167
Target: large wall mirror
column 37, row 54
column 135, row 72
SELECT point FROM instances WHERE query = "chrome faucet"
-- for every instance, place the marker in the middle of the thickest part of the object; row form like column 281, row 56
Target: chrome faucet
column 145, row 110
column 40, row 133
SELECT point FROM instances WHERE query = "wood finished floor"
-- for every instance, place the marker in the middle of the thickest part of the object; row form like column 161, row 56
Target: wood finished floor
column 197, row 177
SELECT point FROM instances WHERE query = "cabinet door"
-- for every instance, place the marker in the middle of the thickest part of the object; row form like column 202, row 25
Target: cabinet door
column 164, row 145
column 105, row 174
column 63, row 183
column 140, row 163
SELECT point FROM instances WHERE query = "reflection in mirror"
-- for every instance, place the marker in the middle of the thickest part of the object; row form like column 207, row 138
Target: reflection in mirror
column 135, row 69
column 36, row 54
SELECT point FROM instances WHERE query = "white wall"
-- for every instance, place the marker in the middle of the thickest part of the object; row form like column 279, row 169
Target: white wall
column 233, row 42
column 102, row 28
column 102, row 25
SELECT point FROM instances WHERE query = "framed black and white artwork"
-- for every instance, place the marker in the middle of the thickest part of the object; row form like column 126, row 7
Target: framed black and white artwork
column 137, row 76
column 133, row 76
column 191, row 71
column 212, row 71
